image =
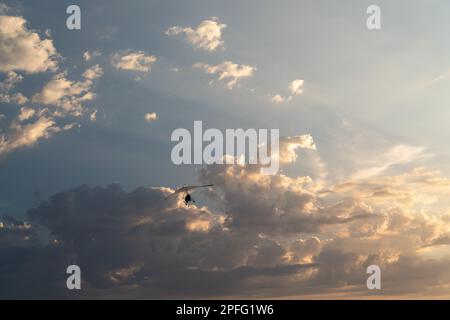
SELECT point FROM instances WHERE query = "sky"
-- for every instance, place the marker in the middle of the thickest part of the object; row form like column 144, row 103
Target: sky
column 86, row 118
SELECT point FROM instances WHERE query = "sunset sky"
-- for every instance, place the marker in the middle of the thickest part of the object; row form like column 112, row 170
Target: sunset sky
column 86, row 118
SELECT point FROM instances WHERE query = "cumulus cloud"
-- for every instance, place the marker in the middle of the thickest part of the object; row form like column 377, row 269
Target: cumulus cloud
column 135, row 232
column 277, row 99
column 10, row 81
column 12, row 78
column 271, row 229
column 133, row 61
column 28, row 134
column 289, row 146
column 90, row 55
column 307, row 238
column 275, row 204
column 93, row 73
column 228, row 71
column 164, row 248
column 66, row 95
column 27, row 128
column 295, row 89
column 15, row 98
column 61, row 97
column 139, row 240
column 207, row 35
column 22, row 49
column 150, row 116
column 25, row 114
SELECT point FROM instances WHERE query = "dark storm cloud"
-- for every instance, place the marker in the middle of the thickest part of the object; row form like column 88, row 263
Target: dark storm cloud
column 132, row 239
column 136, row 244
column 264, row 242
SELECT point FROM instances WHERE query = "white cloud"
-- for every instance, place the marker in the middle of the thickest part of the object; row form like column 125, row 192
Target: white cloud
column 277, row 99
column 12, row 78
column 93, row 116
column 290, row 145
column 68, row 95
column 228, row 71
column 207, row 35
column 274, row 229
column 17, row 98
column 133, row 61
column 151, row 116
column 27, row 135
column 26, row 113
column 93, row 73
column 24, row 50
column 28, row 127
column 88, row 55
column 296, row 87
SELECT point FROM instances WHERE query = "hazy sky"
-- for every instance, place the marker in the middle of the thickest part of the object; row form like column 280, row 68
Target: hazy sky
column 85, row 123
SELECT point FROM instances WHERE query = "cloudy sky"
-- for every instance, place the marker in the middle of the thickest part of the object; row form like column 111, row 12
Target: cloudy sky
column 85, row 123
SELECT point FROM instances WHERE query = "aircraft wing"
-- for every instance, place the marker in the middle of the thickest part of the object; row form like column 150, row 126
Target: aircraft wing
column 186, row 189
column 189, row 188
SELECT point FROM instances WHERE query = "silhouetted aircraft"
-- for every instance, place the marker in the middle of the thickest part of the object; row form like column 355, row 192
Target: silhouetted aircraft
column 187, row 196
